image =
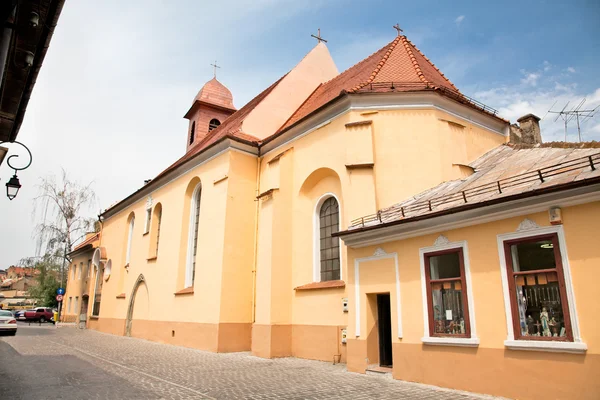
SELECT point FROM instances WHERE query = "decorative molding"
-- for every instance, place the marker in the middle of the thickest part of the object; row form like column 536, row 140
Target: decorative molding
column 379, row 254
column 441, row 240
column 221, row 179
column 322, row 285
column 266, row 194
column 577, row 345
column 149, row 202
column 527, row 225
column 358, row 123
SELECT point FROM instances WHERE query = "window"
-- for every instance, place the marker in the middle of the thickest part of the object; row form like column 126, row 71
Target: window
column 73, row 270
column 155, row 232
column 80, row 270
column 193, row 237
column 148, row 220
column 158, row 221
column 98, row 291
column 69, row 305
column 75, row 308
column 329, row 223
column 536, row 283
column 89, row 267
column 129, row 239
column 213, row 124
column 192, row 132
column 447, row 305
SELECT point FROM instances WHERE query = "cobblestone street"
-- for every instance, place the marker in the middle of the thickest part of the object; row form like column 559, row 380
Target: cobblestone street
column 67, row 363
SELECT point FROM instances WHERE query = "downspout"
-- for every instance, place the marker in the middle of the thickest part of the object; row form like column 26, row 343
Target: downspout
column 258, row 160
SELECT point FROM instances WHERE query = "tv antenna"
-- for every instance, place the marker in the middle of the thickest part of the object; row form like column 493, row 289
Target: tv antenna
column 577, row 113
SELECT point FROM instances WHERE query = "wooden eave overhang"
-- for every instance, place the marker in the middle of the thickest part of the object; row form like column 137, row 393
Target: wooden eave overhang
column 198, row 103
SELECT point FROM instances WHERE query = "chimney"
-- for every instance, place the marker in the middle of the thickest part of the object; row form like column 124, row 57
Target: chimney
column 528, row 130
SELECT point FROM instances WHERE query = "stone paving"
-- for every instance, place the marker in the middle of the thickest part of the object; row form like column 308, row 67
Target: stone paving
column 68, row 363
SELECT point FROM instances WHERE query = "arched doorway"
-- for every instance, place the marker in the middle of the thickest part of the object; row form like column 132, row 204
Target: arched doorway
column 139, row 303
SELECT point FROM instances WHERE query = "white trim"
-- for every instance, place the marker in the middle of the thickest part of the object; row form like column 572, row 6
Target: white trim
column 380, row 254
column 473, row 341
column 196, row 196
column 472, row 217
column 577, row 344
column 317, row 236
column 538, row 345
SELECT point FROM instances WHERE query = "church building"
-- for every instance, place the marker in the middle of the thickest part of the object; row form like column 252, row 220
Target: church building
column 376, row 217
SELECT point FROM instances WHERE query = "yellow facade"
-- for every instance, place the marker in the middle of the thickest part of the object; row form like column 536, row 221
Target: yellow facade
column 256, row 285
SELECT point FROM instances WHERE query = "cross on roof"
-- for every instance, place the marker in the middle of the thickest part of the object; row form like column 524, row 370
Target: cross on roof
column 215, row 68
column 318, row 37
column 397, row 27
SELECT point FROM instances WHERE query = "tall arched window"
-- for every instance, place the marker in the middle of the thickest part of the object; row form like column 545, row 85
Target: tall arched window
column 213, row 124
column 329, row 223
column 190, row 269
column 192, row 132
column 129, row 239
column 155, row 231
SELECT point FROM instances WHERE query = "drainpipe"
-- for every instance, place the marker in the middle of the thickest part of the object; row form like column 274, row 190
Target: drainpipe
column 258, row 160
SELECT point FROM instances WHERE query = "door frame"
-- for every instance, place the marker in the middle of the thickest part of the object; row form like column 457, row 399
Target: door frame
column 385, row 341
column 128, row 320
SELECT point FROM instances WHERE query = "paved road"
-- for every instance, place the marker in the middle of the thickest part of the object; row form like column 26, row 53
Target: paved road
column 67, row 363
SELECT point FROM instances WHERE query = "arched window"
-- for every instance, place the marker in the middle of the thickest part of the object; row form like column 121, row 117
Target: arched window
column 155, row 231
column 129, row 239
column 329, row 247
column 213, row 124
column 192, row 132
column 190, row 269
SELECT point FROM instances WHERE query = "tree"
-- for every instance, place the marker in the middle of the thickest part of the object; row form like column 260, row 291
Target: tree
column 47, row 283
column 60, row 206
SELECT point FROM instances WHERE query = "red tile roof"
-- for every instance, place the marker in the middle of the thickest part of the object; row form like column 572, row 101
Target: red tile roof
column 398, row 66
column 87, row 241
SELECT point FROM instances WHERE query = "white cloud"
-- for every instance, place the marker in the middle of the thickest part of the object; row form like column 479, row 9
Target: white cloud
column 571, row 70
column 530, row 78
column 547, row 66
column 459, row 19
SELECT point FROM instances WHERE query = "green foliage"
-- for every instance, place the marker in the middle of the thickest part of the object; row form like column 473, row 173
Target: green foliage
column 45, row 291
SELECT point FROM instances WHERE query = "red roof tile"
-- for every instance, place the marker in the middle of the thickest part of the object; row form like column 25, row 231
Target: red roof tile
column 89, row 240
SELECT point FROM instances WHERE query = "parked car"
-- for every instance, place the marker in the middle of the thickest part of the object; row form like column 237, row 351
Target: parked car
column 41, row 314
column 8, row 323
column 19, row 313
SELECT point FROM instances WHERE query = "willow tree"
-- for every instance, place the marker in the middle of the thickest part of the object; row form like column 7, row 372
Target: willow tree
column 60, row 208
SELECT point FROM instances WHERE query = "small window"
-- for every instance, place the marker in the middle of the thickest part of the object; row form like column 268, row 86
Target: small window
column 98, row 291
column 80, row 271
column 329, row 223
column 537, row 289
column 159, row 220
column 192, row 132
column 75, row 308
column 69, row 305
column 447, row 294
column 148, row 220
column 73, row 271
column 89, row 267
column 213, row 124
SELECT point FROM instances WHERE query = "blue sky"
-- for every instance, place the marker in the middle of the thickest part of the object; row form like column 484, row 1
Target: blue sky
column 119, row 76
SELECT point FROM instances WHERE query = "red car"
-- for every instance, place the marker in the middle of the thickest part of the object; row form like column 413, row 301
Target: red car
column 41, row 314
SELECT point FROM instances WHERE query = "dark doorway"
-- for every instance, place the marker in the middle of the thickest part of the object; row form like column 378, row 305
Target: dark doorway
column 384, row 322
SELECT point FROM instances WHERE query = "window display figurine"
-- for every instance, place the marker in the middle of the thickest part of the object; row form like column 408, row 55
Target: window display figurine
column 553, row 326
column 530, row 326
column 462, row 325
column 544, row 320
column 439, row 326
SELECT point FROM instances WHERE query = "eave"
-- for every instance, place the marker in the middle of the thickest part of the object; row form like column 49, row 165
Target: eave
column 198, row 103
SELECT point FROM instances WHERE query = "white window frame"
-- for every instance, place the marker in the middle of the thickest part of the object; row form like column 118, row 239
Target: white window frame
column 129, row 240
column 317, row 236
column 473, row 341
column 191, row 233
column 577, row 345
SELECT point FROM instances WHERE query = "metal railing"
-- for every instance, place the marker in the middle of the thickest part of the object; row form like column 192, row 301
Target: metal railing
column 496, row 187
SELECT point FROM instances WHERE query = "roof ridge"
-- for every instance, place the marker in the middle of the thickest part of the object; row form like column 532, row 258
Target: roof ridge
column 392, row 45
column 408, row 43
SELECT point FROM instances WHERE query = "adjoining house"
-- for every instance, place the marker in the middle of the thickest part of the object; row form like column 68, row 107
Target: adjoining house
column 377, row 217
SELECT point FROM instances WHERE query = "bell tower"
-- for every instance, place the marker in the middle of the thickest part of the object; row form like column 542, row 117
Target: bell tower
column 212, row 106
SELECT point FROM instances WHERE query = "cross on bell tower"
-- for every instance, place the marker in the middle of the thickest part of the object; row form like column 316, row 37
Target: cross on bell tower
column 318, row 36
column 215, row 66
column 397, row 27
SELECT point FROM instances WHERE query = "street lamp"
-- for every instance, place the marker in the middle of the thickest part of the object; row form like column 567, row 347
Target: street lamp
column 12, row 187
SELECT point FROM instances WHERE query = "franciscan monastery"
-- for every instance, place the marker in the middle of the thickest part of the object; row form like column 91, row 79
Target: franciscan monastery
column 376, row 217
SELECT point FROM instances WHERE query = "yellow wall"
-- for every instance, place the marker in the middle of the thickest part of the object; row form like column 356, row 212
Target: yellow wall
column 499, row 371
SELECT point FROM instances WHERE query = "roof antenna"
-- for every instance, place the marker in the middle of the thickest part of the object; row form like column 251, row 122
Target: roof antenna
column 577, row 112
column 397, row 27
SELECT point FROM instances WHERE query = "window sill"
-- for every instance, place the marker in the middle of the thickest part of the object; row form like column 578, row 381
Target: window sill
column 120, row 296
column 94, row 317
column 151, row 258
column 322, row 285
column 145, row 233
column 449, row 341
column 189, row 290
column 538, row 345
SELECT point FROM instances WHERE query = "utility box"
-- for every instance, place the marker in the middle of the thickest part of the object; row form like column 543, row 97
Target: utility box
column 345, row 304
column 344, row 335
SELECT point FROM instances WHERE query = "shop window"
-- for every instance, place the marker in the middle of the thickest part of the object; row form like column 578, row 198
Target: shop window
column 329, row 222
column 536, row 283
column 446, row 286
